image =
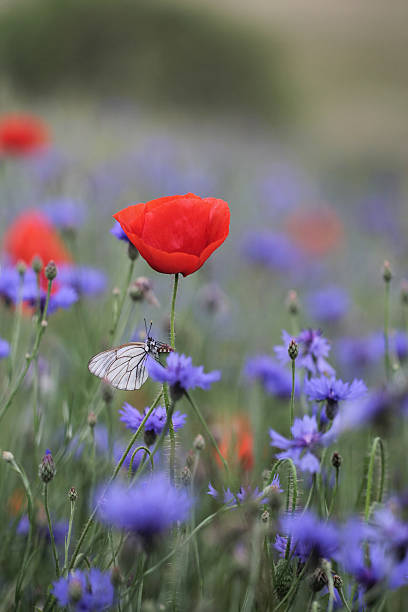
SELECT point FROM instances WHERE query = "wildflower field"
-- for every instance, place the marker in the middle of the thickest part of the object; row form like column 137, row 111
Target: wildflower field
column 204, row 349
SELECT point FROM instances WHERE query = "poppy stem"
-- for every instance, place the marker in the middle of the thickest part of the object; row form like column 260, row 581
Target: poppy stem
column 173, row 311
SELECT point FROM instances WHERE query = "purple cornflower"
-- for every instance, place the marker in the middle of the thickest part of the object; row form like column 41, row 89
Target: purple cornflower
column 313, row 350
column 83, row 279
column 4, row 348
column 309, row 536
column 154, row 424
column 181, row 375
column 399, row 341
column 64, row 213
column 275, row 379
column 274, row 251
column 329, row 304
column 332, row 391
column 64, row 298
column 59, row 528
column 148, row 508
column 85, row 591
column 380, row 407
column 306, row 439
column 118, row 232
column 357, row 354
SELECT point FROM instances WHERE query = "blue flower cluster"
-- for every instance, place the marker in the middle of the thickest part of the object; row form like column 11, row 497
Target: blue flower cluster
column 85, row 591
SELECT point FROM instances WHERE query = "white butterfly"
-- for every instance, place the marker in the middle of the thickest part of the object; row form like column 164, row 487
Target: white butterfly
column 124, row 367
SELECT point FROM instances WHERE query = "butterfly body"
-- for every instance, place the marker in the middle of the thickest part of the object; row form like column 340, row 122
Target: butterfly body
column 124, row 367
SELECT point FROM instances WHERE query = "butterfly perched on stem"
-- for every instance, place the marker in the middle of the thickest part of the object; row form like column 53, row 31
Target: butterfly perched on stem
column 124, row 367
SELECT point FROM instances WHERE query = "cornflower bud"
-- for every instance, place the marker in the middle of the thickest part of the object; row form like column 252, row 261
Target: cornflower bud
column 318, row 580
column 107, row 394
column 337, row 581
column 92, row 419
column 21, row 268
column 386, row 271
column 199, row 443
column 142, row 289
column 50, row 270
column 116, row 577
column 47, row 467
column 265, row 516
column 72, row 494
column 7, row 456
column 404, row 292
column 293, row 349
column 292, row 302
column 336, row 460
column 74, row 590
column 133, row 253
column 37, row 264
column 190, row 459
column 186, row 476
column 149, row 437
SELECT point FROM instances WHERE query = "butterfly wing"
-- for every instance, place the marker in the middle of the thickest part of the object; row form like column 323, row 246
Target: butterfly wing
column 124, row 367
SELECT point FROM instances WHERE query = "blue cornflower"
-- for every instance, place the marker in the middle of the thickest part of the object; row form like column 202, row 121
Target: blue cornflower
column 380, row 407
column 306, row 439
column 329, row 304
column 357, row 354
column 10, row 283
column 64, row 213
column 309, row 536
column 59, row 528
column 147, row 508
column 275, row 379
column 83, row 279
column 85, row 591
column 4, row 348
column 64, row 297
column 313, row 350
column 399, row 341
column 154, row 424
column 332, row 391
column 181, row 375
column 118, row 232
column 274, row 251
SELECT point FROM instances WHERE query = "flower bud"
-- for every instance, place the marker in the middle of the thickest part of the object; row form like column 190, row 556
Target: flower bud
column 332, row 408
column 74, row 590
column 176, row 392
column 107, row 394
column 265, row 516
column 293, row 349
column 7, row 456
column 72, row 494
column 116, row 577
column 50, row 270
column 404, row 292
column 292, row 302
column 92, row 420
column 21, row 268
column 115, row 291
column 386, row 271
column 336, row 460
column 199, row 443
column 149, row 437
column 37, row 264
column 133, row 253
column 318, row 580
column 337, row 581
column 186, row 476
column 47, row 467
column 190, row 459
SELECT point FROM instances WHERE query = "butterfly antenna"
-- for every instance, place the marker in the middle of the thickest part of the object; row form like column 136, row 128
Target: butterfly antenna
column 150, row 328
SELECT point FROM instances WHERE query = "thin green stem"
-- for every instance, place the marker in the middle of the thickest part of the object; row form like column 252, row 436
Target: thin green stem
column 169, row 411
column 29, row 358
column 334, row 495
column 68, row 538
column 118, row 304
column 112, row 478
column 17, row 325
column 54, row 548
column 377, row 443
column 387, row 331
column 173, row 311
column 207, row 431
column 292, row 399
column 343, row 599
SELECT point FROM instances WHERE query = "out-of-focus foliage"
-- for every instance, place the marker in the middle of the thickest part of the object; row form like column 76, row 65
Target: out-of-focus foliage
column 157, row 53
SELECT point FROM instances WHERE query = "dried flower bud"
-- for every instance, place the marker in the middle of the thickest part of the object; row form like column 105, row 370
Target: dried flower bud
column 72, row 494
column 292, row 302
column 265, row 516
column 21, row 268
column 199, row 443
column 293, row 349
column 386, row 271
column 336, row 460
column 50, row 270
column 318, row 580
column 186, row 476
column 47, row 467
column 92, row 419
column 337, row 581
column 37, row 264
column 133, row 253
column 7, row 456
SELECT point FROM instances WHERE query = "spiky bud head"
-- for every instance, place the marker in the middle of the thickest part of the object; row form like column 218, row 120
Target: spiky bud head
column 186, row 476
column 50, row 270
column 37, row 264
column 47, row 469
column 149, row 437
column 190, row 459
column 72, row 494
column 199, row 443
column 92, row 419
column 21, row 267
column 293, row 349
column 265, row 516
column 107, row 394
column 176, row 392
column 7, row 456
column 337, row 581
column 318, row 580
column 336, row 460
column 133, row 253
column 292, row 302
column 386, row 271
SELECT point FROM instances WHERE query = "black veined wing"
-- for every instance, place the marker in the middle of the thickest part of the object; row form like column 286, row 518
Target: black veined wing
column 123, row 367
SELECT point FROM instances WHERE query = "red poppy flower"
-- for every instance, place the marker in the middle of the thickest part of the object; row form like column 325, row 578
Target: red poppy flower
column 236, row 444
column 317, row 230
column 32, row 235
column 176, row 233
column 22, row 134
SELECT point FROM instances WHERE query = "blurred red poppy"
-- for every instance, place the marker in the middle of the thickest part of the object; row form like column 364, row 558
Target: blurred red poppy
column 32, row 235
column 317, row 230
column 22, row 134
column 236, row 443
column 176, row 233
